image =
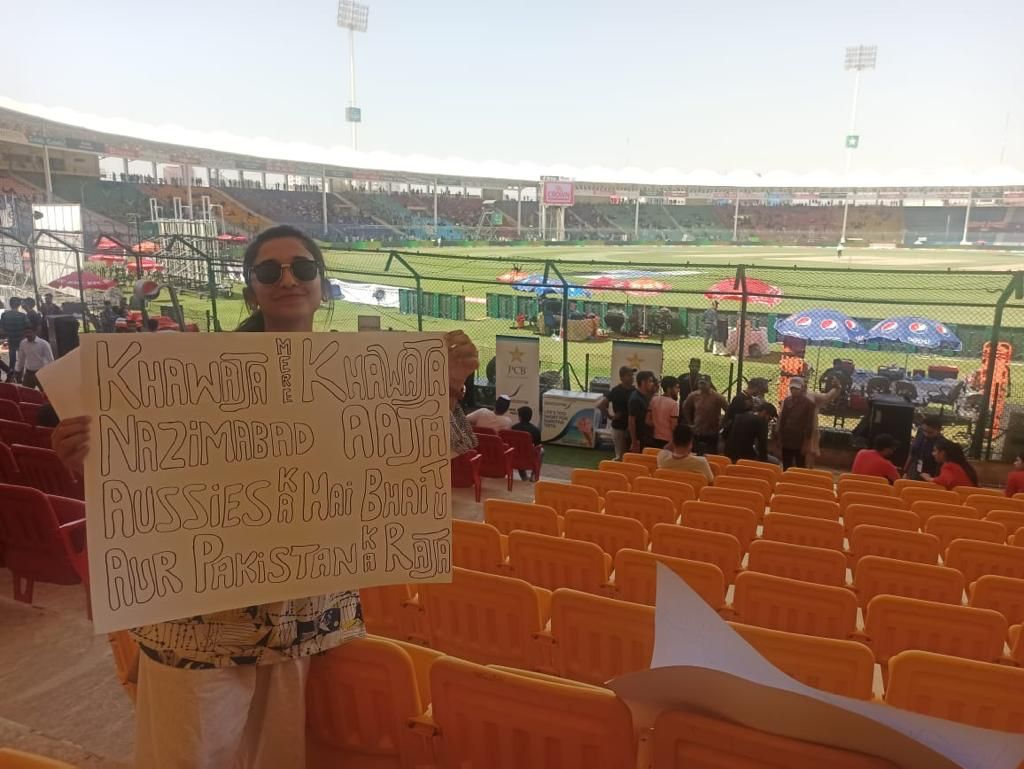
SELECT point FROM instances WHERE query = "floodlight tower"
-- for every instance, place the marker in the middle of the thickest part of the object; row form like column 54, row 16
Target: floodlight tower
column 355, row 18
column 858, row 58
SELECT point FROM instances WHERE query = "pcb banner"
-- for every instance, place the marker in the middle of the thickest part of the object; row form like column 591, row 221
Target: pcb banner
column 643, row 356
column 517, row 364
column 228, row 470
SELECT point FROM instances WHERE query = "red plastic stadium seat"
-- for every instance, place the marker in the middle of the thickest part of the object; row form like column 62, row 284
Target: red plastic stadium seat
column 465, row 470
column 41, row 469
column 495, row 458
column 525, row 455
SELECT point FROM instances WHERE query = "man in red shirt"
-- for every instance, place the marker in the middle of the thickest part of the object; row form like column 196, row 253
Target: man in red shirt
column 878, row 461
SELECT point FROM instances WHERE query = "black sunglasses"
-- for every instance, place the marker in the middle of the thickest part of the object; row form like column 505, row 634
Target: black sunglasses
column 269, row 272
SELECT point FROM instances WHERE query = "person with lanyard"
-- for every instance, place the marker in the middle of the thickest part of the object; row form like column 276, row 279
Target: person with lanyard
column 921, row 459
column 641, row 432
column 618, row 399
column 954, row 469
column 228, row 689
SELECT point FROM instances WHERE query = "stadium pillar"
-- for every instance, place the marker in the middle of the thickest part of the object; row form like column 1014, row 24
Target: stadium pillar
column 519, row 210
column 736, row 218
column 153, row 163
column 124, row 165
column 967, row 220
column 741, row 350
column 323, row 197
column 49, row 180
column 636, row 217
column 435, row 209
column 188, row 179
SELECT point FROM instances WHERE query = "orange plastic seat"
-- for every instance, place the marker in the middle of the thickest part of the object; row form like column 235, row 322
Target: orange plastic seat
column 650, row 451
column 611, row 533
column 752, row 500
column 566, row 496
column 1011, row 519
column 850, row 486
column 125, row 652
column 718, row 462
column 741, row 483
column 696, row 480
column 794, row 487
column 723, row 550
column 852, row 498
column 553, row 562
column 975, row 693
column 934, row 494
column 646, row 461
column 727, row 519
column 907, row 483
column 810, row 564
column 830, row 664
column 741, row 470
column 821, row 478
column 594, row 639
column 648, row 509
column 685, row 740
column 1002, row 594
column 985, row 503
column 926, row 509
column 803, row 530
column 360, row 697
column 890, row 518
column 875, row 575
column 631, row 471
column 19, row 759
column 894, row 624
column 386, row 612
column 976, row 559
column 599, row 481
column 973, row 491
column 774, row 469
column 815, row 508
column 477, row 546
column 475, row 710
column 794, row 606
column 875, row 479
column 950, row 527
column 912, row 546
column 508, row 516
column 659, row 487
column 636, row 577
column 483, row 617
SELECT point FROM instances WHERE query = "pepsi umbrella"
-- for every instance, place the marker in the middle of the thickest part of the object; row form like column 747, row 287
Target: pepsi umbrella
column 917, row 332
column 822, row 325
column 541, row 286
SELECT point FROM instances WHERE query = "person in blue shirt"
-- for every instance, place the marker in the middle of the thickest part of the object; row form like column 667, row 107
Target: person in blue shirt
column 919, row 459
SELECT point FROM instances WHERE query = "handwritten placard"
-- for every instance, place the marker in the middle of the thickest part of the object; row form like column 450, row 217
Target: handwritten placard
column 234, row 469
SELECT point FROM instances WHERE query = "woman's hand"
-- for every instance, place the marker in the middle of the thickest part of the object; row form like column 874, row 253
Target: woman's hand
column 463, row 359
column 71, row 441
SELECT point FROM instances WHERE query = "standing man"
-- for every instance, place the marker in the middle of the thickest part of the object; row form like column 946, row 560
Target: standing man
column 665, row 411
column 33, row 354
column 748, row 398
column 108, row 317
column 641, row 431
column 796, row 424
column 748, row 436
column 703, row 410
column 48, row 308
column 690, row 382
column 710, row 327
column 618, row 399
column 13, row 324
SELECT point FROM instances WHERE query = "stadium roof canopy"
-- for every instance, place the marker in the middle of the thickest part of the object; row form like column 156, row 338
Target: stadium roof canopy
column 120, row 137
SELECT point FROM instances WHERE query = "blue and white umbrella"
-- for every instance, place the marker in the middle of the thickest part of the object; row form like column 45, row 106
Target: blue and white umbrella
column 916, row 331
column 540, row 286
column 822, row 325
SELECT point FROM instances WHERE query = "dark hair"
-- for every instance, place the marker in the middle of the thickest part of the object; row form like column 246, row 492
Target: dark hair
column 28, row 302
column 769, row 409
column 668, row 383
column 525, row 414
column 955, row 454
column 14, row 302
column 682, row 435
column 255, row 321
column 933, row 422
column 884, row 441
column 152, row 324
column 645, row 376
column 501, row 405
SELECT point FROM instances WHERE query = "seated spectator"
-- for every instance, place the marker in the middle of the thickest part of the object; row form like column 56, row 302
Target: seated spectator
column 678, row 455
column 526, row 425
column 878, row 461
column 1015, row 480
column 748, row 434
column 954, row 469
column 495, row 420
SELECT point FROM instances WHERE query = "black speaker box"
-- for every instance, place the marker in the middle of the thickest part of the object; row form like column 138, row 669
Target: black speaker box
column 893, row 415
column 63, row 334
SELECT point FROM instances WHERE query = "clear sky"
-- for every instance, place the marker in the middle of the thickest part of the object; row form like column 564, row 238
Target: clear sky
column 689, row 84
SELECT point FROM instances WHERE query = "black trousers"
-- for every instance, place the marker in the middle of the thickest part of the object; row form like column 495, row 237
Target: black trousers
column 709, row 339
column 792, row 458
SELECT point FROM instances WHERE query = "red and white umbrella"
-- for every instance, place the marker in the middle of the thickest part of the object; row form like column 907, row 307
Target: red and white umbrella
column 758, row 292
column 148, row 265
column 645, row 286
column 106, row 258
column 512, row 276
column 106, row 244
column 89, row 281
column 606, row 282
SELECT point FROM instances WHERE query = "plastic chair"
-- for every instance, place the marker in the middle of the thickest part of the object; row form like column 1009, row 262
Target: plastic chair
column 650, row 451
column 611, row 533
column 911, row 546
column 696, row 480
column 876, row 500
column 484, row 431
column 830, row 664
column 649, row 510
column 685, row 740
column 719, row 495
column 756, row 485
column 890, row 518
column 636, row 577
column 723, row 550
column 750, row 471
column 794, row 606
column 16, row 432
column 877, row 480
column 360, row 697
column 727, row 519
column 553, row 562
column 1011, row 519
column 809, row 564
column 600, row 481
column 525, row 456
column 11, row 411
column 976, row 559
column 477, row 546
column 894, row 624
column 125, row 652
column 807, row 477
column 29, row 395
column 41, row 469
column 1002, row 594
column 631, row 471
column 567, row 496
column 9, row 392
column 853, row 486
column 950, row 527
column 42, row 436
column 983, row 503
column 975, row 693
column 803, row 530
column 9, row 472
column 508, row 516
column 907, row 483
column 934, row 494
column 386, row 612
column 29, row 412
column 776, row 470
column 875, row 575
column 495, row 458
column 815, row 508
column 926, row 510
column 786, row 487
column 646, row 461
column 483, row 617
column 465, row 470
column 964, row 492
column 718, row 462
column 594, row 639
column 551, row 722
column 19, row 759
column 674, row 490
column 43, row 540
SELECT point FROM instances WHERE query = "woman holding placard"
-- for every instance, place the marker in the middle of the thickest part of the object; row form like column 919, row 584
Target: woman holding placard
column 227, row 690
